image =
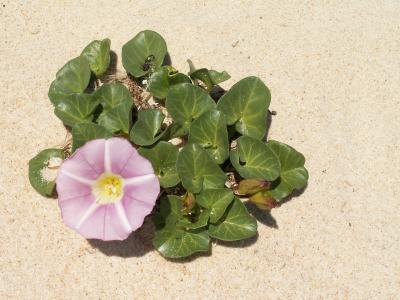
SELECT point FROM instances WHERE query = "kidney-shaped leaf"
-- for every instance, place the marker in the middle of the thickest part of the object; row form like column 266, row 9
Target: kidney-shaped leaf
column 237, row 224
column 76, row 108
column 186, row 102
column 163, row 157
column 216, row 200
column 109, row 95
column 73, row 77
column 202, row 221
column 162, row 79
column 293, row 174
column 177, row 242
column 254, row 159
column 84, row 132
column 208, row 77
column 42, row 172
column 209, row 131
column 197, row 170
column 117, row 119
column 143, row 53
column 97, row 54
column 174, row 241
column 246, row 105
column 147, row 129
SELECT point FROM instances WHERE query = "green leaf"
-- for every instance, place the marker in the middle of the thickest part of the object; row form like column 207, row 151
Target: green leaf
column 208, row 77
column 246, row 105
column 111, row 95
column 41, row 177
column 117, row 119
column 209, row 131
column 162, row 79
column 173, row 241
column 218, row 77
column 216, row 200
column 147, row 129
column 197, row 170
column 170, row 211
column 72, row 78
column 56, row 94
column 76, row 108
column 163, row 158
column 293, row 174
column 144, row 53
column 202, row 221
column 236, row 225
column 186, row 102
column 254, row 159
column 177, row 243
column 84, row 132
column 97, row 54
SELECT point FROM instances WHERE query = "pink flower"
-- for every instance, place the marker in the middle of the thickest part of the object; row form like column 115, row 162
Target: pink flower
column 106, row 189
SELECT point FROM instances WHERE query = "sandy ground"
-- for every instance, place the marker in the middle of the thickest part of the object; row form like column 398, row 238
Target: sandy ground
column 334, row 72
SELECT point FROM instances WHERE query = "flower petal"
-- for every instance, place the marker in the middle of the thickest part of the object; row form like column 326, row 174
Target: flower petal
column 87, row 161
column 125, row 160
column 93, row 151
column 117, row 226
column 69, row 188
column 74, row 209
column 144, row 188
column 92, row 226
column 136, row 210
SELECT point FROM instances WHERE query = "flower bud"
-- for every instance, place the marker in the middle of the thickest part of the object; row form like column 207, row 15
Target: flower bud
column 263, row 200
column 188, row 202
column 252, row 186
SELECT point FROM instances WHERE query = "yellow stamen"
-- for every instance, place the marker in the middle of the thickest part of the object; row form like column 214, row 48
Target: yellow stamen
column 108, row 188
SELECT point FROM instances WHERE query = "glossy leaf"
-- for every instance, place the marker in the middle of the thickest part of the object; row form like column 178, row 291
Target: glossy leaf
column 170, row 211
column 144, row 53
column 201, row 222
column 216, row 200
column 76, row 108
column 117, row 119
column 246, row 105
column 84, row 132
column 72, row 78
column 186, row 102
column 97, row 54
column 162, row 79
column 236, row 225
column 197, row 170
column 40, row 166
column 163, row 158
column 147, row 129
column 293, row 174
column 209, row 131
column 174, row 241
column 208, row 77
column 110, row 95
column 254, row 159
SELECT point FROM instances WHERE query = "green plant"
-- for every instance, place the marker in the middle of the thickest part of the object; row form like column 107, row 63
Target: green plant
column 209, row 154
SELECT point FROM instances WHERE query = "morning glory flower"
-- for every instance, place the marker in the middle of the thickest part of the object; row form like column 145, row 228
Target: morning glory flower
column 106, row 189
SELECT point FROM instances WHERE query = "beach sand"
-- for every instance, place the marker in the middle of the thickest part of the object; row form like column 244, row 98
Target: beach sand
column 333, row 69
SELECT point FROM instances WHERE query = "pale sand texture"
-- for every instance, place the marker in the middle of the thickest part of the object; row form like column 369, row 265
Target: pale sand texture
column 334, row 73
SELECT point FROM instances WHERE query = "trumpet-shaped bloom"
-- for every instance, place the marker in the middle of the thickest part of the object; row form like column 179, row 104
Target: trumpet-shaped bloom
column 106, row 189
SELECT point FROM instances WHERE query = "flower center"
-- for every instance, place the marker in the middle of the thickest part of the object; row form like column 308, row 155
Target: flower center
column 108, row 188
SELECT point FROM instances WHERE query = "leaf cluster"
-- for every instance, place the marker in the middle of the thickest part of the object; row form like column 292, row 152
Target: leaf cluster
column 215, row 137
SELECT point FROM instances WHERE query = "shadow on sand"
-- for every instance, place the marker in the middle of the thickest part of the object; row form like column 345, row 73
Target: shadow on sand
column 137, row 244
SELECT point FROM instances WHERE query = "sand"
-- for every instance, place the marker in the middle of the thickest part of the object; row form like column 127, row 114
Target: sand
column 334, row 72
